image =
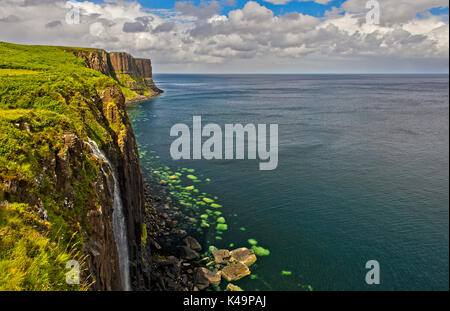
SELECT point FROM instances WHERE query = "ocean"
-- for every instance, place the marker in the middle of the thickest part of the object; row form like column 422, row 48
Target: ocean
column 363, row 174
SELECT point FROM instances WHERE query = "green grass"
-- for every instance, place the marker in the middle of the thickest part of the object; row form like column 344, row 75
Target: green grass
column 46, row 93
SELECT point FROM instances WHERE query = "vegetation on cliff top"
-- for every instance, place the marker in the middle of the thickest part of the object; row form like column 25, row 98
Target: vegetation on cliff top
column 46, row 93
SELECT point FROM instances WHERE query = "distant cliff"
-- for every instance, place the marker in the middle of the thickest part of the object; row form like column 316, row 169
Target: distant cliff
column 133, row 74
column 56, row 193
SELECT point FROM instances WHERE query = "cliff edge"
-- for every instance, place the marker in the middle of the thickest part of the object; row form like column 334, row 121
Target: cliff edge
column 134, row 75
column 57, row 193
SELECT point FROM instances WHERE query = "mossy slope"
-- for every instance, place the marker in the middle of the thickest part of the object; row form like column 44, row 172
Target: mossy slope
column 50, row 102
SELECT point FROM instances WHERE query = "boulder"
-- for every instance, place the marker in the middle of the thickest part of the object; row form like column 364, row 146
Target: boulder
column 179, row 232
column 221, row 256
column 192, row 243
column 204, row 278
column 235, row 272
column 233, row 288
column 243, row 255
column 187, row 253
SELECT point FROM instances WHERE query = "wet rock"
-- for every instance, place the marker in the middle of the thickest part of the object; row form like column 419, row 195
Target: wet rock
column 172, row 224
column 243, row 255
column 221, row 256
column 179, row 232
column 233, row 288
column 187, row 253
column 192, row 243
column 235, row 272
column 204, row 278
column 155, row 244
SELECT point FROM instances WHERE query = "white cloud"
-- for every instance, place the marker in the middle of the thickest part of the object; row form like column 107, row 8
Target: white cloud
column 280, row 2
column 250, row 38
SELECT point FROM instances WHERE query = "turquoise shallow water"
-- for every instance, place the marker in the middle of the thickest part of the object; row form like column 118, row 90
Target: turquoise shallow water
column 363, row 174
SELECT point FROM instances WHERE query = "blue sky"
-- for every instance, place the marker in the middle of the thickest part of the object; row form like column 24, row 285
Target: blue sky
column 310, row 8
column 305, row 7
column 246, row 36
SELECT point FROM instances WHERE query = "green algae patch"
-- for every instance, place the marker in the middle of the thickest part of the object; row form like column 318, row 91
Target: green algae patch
column 208, row 200
column 221, row 220
column 252, row 241
column 215, row 205
column 285, row 272
column 260, row 251
column 222, row 227
column 191, row 177
column 189, row 188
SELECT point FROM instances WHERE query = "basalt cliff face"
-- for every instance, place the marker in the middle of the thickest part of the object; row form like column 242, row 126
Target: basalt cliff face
column 135, row 74
column 56, row 193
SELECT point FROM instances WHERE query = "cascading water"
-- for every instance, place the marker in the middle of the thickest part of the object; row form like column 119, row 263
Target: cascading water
column 118, row 221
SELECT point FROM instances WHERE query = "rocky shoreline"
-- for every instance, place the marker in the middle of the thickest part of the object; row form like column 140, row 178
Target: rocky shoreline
column 178, row 260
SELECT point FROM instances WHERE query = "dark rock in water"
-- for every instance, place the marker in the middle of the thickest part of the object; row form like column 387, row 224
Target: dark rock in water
column 235, row 272
column 172, row 224
column 192, row 243
column 204, row 278
column 155, row 244
column 221, row 256
column 243, row 255
column 187, row 253
column 179, row 232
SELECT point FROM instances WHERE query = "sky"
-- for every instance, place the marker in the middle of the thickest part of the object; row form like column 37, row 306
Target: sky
column 245, row 36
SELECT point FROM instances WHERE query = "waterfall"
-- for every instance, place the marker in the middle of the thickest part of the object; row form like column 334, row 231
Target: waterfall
column 118, row 220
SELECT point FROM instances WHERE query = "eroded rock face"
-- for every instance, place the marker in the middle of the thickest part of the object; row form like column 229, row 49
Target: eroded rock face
column 129, row 172
column 144, row 67
column 123, row 63
column 134, row 73
column 95, row 59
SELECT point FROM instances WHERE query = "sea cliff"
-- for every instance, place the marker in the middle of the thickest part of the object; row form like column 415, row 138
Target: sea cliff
column 56, row 194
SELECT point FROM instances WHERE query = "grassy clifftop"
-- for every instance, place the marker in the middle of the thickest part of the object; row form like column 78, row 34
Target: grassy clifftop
column 50, row 102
